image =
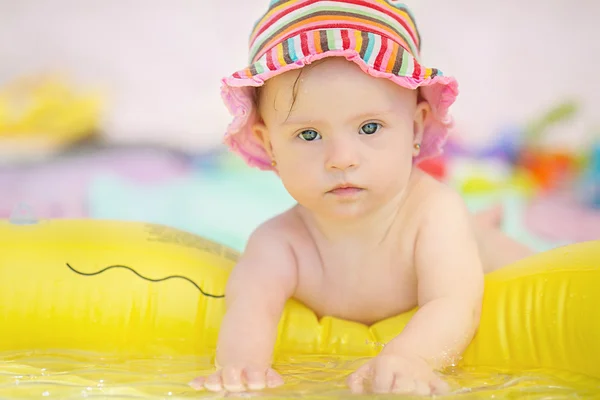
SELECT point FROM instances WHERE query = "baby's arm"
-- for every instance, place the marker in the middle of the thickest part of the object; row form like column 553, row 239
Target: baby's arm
column 257, row 290
column 450, row 279
column 450, row 290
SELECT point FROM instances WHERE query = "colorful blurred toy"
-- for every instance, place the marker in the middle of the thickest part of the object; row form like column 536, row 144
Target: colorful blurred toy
column 532, row 166
column 550, row 168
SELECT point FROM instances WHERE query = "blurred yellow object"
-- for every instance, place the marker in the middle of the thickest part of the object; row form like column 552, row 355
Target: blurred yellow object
column 519, row 181
column 478, row 184
column 135, row 290
column 43, row 114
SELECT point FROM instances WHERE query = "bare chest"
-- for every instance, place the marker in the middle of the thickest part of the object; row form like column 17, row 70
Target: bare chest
column 362, row 287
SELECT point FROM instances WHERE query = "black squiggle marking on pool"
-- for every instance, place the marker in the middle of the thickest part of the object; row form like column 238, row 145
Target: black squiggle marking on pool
column 215, row 296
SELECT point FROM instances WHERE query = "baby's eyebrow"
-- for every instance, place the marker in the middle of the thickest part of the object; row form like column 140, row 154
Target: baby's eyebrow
column 301, row 121
column 360, row 117
column 374, row 114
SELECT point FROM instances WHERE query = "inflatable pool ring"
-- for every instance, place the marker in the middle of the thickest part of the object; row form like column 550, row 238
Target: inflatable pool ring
column 143, row 290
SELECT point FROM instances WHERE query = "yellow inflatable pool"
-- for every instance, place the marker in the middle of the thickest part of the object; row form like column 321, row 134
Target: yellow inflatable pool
column 105, row 295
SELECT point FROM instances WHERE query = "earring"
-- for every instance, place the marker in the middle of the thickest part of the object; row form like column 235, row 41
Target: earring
column 273, row 163
column 417, row 146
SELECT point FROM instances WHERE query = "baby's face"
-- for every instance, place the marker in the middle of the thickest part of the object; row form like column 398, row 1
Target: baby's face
column 344, row 128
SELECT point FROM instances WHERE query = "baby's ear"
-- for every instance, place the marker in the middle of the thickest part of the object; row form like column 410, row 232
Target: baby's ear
column 420, row 118
column 260, row 131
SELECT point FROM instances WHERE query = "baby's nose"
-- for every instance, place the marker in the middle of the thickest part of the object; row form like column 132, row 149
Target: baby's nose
column 342, row 154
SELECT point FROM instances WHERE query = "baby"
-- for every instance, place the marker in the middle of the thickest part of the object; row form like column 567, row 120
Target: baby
column 337, row 103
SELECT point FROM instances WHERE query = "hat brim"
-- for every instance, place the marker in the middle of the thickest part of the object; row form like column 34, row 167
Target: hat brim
column 238, row 91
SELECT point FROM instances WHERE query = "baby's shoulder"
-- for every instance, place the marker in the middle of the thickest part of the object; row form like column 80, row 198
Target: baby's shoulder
column 430, row 198
column 286, row 227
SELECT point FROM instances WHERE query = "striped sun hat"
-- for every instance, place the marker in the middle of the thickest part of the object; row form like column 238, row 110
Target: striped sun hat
column 378, row 35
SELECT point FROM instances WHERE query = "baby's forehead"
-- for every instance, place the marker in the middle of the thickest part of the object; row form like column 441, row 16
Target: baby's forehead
column 281, row 86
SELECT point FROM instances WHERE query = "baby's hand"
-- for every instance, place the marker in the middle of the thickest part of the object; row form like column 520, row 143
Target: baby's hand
column 234, row 379
column 402, row 373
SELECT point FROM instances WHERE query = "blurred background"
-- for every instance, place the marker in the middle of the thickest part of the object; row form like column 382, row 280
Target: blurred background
column 111, row 109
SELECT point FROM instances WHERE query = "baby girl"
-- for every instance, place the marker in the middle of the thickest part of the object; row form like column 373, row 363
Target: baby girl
column 337, row 103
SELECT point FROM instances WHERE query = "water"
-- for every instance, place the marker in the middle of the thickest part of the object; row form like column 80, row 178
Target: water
column 73, row 375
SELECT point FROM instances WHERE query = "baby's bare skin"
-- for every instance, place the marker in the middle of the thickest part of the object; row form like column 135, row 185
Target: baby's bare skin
column 367, row 278
column 394, row 240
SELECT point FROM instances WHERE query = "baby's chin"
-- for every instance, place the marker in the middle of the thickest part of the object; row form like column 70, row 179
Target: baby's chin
column 341, row 210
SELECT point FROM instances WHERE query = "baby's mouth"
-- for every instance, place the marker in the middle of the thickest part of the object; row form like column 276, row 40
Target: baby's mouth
column 345, row 190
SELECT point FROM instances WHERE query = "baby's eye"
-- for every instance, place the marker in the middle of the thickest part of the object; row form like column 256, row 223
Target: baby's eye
column 309, row 135
column 370, row 128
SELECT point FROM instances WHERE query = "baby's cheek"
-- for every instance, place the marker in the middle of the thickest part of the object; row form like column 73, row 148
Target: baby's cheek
column 397, row 159
column 296, row 180
column 394, row 173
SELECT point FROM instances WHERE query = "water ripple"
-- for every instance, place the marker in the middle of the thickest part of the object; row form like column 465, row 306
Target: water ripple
column 80, row 375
